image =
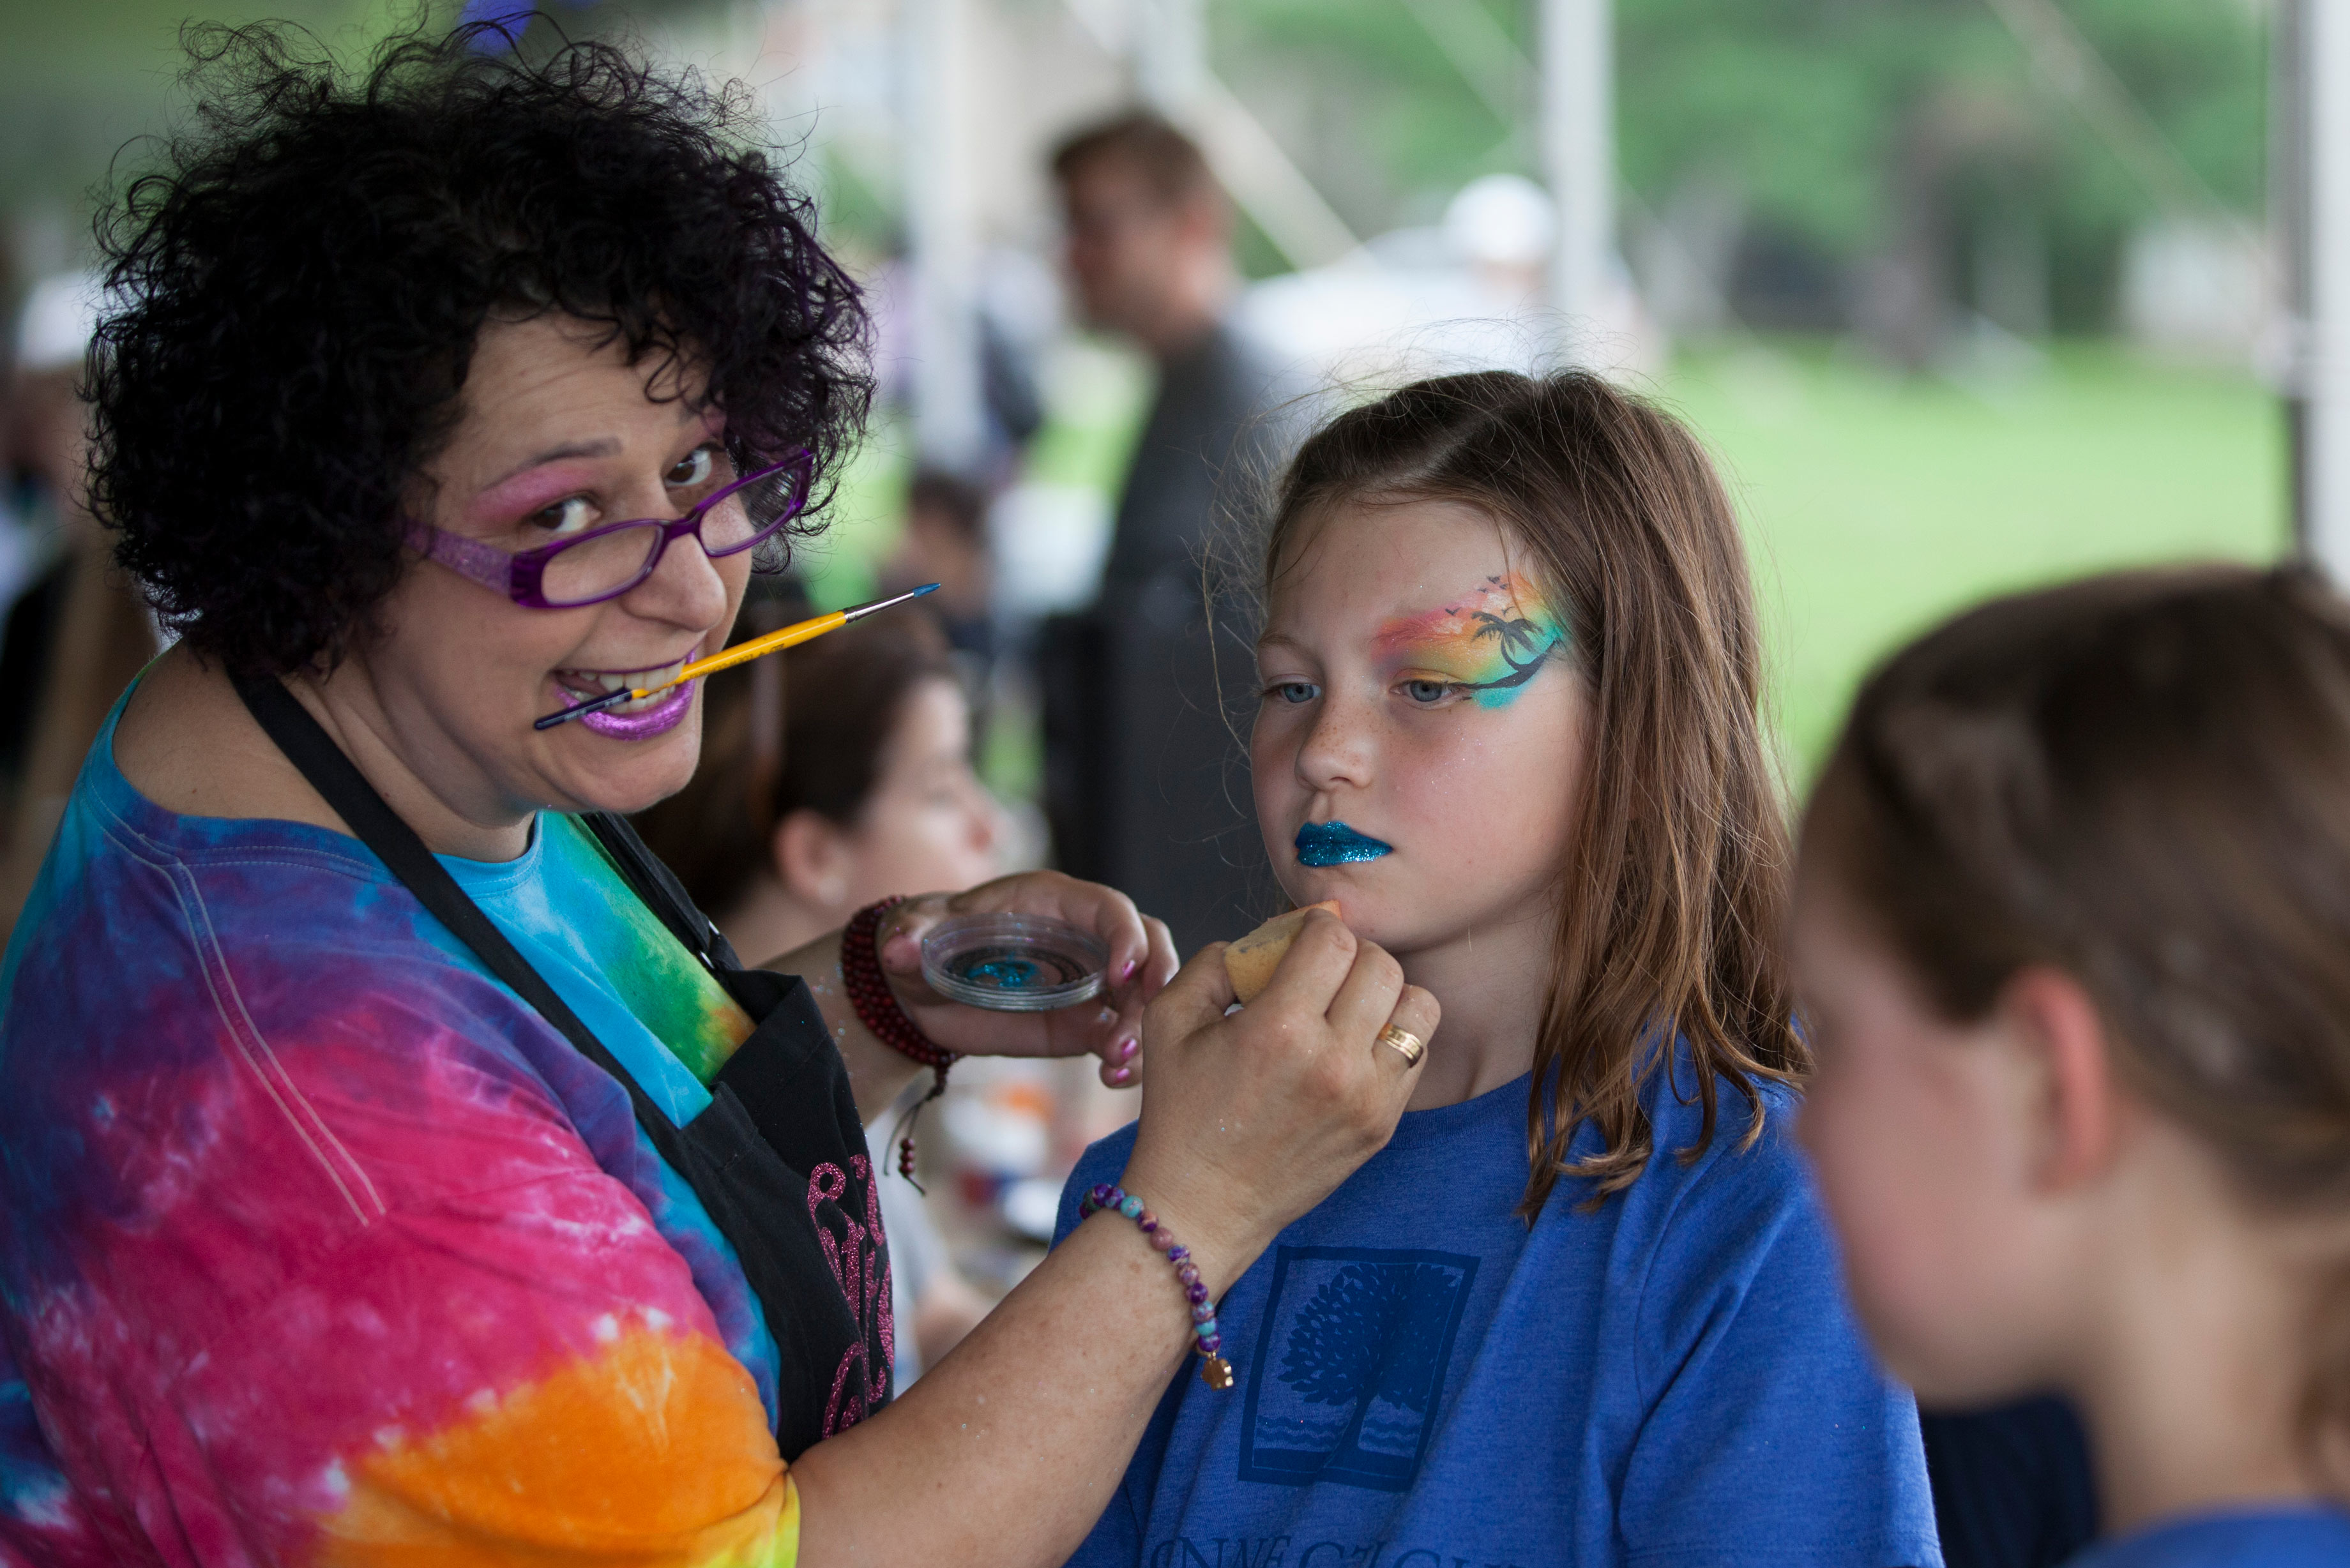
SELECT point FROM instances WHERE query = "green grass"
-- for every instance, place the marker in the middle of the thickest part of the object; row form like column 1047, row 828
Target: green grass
column 1875, row 506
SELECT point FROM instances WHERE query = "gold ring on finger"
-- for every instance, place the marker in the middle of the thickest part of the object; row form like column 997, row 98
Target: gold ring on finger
column 1411, row 1046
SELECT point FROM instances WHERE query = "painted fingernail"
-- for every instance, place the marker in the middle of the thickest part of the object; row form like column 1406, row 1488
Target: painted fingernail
column 1128, row 972
column 1127, row 1048
column 1121, row 1076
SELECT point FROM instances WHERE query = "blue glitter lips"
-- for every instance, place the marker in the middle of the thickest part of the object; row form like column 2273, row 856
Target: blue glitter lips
column 1335, row 844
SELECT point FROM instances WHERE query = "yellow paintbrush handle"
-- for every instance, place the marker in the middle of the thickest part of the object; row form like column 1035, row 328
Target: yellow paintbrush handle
column 758, row 647
column 775, row 641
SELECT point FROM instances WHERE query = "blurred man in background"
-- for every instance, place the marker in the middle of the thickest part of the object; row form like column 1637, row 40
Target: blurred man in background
column 1143, row 779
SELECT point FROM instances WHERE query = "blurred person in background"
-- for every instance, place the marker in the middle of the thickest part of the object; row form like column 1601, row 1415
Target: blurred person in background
column 833, row 775
column 946, row 543
column 1140, row 763
column 79, row 631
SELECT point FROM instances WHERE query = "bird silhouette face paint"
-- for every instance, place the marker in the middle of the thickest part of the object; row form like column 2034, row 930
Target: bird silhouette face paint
column 1489, row 643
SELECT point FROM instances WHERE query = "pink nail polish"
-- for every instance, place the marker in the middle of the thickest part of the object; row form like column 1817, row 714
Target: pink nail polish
column 1127, row 1048
column 1120, row 1075
column 1128, row 972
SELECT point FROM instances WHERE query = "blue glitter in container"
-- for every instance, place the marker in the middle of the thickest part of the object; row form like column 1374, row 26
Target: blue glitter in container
column 1010, row 974
column 1015, row 963
column 1335, row 844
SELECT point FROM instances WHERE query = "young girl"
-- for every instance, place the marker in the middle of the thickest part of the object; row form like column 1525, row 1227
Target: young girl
column 1583, row 1308
column 2071, row 929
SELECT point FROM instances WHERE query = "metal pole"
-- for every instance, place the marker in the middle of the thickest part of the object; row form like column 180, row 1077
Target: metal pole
column 2312, row 55
column 1578, row 145
column 941, row 234
column 2314, row 58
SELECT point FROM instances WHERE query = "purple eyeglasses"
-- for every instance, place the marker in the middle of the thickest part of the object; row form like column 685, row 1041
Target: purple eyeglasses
column 607, row 562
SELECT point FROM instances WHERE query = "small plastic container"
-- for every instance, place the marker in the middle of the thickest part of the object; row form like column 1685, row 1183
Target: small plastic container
column 1014, row 963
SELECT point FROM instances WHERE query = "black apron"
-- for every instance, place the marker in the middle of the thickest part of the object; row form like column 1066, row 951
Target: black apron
column 778, row 1157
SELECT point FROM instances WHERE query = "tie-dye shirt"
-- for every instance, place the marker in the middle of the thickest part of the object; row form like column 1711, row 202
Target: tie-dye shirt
column 318, row 1246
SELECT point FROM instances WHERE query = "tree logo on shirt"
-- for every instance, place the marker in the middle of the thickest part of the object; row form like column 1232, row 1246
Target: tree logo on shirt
column 1362, row 1340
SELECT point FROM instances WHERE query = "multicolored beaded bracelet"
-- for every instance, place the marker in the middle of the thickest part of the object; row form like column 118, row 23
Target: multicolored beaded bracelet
column 877, row 1008
column 1214, row 1370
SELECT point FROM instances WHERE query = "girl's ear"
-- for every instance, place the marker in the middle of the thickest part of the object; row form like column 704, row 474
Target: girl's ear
column 812, row 860
column 2049, row 1019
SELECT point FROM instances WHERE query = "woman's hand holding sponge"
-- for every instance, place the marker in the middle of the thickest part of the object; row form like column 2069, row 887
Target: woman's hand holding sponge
column 1250, row 961
column 1249, row 1118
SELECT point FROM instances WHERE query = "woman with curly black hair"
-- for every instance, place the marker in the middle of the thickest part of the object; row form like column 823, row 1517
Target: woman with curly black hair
column 393, row 1165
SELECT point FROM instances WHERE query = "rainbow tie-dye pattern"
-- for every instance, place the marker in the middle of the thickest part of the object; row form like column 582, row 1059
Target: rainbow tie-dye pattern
column 318, row 1246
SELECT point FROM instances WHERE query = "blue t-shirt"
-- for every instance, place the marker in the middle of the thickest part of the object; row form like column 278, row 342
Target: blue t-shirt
column 1422, row 1381
column 2306, row 1537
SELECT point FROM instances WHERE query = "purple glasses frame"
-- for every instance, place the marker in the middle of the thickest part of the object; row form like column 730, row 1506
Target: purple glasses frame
column 518, row 574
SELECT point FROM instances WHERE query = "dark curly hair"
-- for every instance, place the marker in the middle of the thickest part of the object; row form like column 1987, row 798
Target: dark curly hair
column 304, row 279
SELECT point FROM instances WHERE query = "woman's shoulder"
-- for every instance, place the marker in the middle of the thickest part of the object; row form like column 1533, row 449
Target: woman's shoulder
column 138, row 906
column 183, row 739
column 250, row 953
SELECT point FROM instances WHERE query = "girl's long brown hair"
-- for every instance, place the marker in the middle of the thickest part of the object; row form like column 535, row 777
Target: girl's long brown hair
column 1673, row 891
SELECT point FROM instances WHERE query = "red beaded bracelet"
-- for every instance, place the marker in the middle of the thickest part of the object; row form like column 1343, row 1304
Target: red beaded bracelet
column 877, row 1008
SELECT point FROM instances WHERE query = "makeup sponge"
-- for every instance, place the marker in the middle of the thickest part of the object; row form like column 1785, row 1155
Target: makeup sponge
column 1252, row 959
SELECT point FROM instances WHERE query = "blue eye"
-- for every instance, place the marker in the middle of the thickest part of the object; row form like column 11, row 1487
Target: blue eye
column 1426, row 691
column 1296, row 692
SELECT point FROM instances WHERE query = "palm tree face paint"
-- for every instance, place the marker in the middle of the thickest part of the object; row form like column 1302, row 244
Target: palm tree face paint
column 1487, row 643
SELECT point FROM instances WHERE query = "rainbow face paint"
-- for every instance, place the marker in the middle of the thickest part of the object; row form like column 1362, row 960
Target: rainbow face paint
column 1490, row 642
column 1335, row 844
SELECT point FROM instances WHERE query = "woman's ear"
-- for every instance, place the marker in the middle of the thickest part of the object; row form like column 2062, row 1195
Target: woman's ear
column 812, row 860
column 2052, row 1024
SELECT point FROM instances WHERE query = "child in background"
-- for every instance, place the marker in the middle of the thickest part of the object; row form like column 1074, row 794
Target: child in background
column 946, row 543
column 2072, row 931
column 832, row 775
column 1583, row 1308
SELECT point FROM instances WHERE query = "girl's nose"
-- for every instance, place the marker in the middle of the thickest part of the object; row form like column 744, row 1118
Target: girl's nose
column 1337, row 751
